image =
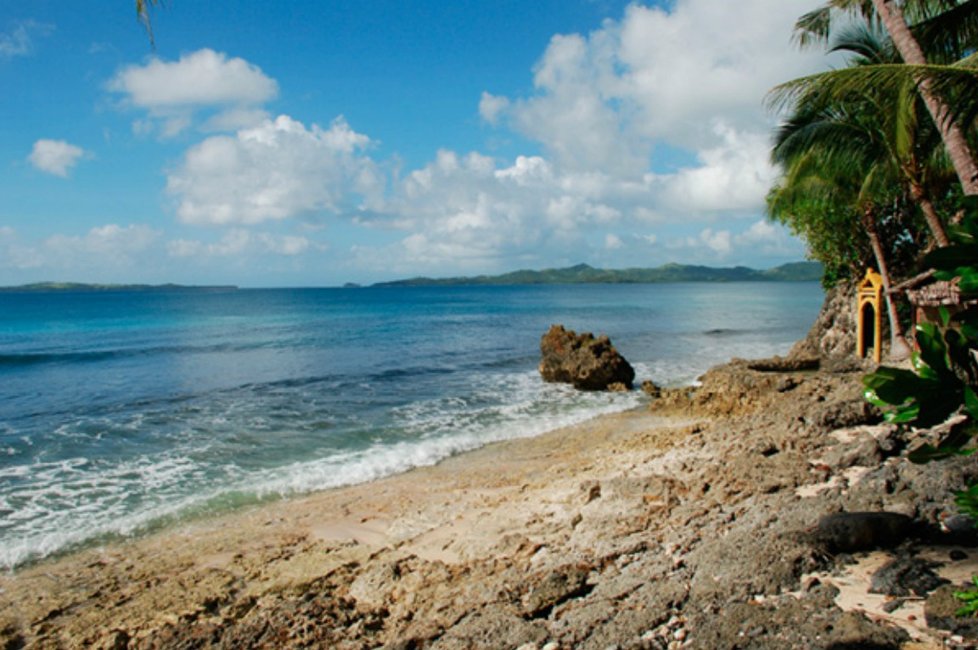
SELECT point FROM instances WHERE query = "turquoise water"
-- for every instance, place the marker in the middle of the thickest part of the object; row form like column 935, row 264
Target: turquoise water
column 121, row 412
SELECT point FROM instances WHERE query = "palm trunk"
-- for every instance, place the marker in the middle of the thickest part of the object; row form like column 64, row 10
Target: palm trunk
column 957, row 146
column 934, row 222
column 898, row 341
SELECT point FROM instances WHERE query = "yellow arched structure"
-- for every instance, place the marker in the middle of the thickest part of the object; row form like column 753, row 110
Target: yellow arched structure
column 869, row 315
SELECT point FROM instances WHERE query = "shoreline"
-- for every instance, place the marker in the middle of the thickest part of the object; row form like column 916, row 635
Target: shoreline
column 681, row 528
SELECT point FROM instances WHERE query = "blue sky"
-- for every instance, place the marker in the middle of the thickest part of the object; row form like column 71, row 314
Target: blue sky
column 312, row 143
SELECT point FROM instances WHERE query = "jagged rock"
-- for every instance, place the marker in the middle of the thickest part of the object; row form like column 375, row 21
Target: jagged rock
column 556, row 587
column 650, row 388
column 779, row 364
column 862, row 531
column 832, row 336
column 587, row 362
column 905, row 576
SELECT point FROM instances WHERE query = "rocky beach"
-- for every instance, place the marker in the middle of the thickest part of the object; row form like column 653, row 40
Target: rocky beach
column 694, row 523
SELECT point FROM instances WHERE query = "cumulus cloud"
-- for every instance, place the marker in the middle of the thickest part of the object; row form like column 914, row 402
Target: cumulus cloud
column 273, row 171
column 108, row 241
column 491, row 107
column 604, row 104
column 239, row 241
column 55, row 156
column 173, row 91
column 606, row 100
column 733, row 175
column 20, row 40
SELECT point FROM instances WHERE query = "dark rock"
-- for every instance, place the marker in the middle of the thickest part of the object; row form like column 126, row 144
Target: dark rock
column 491, row 628
column 940, row 612
column 864, row 451
column 905, row 576
column 780, row 364
column 893, row 605
column 556, row 587
column 862, row 531
column 848, row 413
column 957, row 555
column 651, row 389
column 587, row 362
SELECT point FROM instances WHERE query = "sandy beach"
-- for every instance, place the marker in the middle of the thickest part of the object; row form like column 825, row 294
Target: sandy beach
column 688, row 526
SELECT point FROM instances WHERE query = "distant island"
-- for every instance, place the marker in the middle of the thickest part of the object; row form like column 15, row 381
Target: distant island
column 47, row 287
column 585, row 274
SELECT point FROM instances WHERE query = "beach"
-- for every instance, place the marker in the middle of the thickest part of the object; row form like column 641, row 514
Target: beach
column 692, row 525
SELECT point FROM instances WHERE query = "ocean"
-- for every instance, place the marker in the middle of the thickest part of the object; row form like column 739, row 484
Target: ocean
column 123, row 412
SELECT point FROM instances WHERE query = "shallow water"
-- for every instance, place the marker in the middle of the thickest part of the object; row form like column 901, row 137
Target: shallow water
column 122, row 411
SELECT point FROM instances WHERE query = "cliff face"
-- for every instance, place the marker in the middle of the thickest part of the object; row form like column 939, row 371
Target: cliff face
column 832, row 337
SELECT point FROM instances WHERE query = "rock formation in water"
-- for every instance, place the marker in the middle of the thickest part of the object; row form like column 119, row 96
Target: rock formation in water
column 587, row 362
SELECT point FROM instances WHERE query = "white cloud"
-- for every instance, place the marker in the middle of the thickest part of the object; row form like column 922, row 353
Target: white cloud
column 172, row 92
column 238, row 242
column 274, row 171
column 691, row 79
column 718, row 241
column 55, row 156
column 733, row 175
column 20, row 40
column 491, row 107
column 108, row 241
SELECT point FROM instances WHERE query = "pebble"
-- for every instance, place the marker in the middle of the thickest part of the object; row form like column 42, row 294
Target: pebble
column 679, row 635
column 552, row 645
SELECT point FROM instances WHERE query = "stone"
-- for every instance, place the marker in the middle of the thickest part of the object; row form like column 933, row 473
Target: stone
column 650, row 388
column 905, row 576
column 862, row 531
column 586, row 362
column 556, row 587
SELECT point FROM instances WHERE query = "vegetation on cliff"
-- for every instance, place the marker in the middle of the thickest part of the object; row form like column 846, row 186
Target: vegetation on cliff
column 585, row 274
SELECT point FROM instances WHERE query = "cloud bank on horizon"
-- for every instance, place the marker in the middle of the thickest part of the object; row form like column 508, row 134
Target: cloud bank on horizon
column 643, row 141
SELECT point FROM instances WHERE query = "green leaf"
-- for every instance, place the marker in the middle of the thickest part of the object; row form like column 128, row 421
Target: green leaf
column 952, row 257
column 971, row 402
column 944, row 315
column 903, row 414
column 968, row 284
column 932, row 349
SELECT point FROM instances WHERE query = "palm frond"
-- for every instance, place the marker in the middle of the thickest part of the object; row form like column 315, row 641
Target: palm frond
column 959, row 81
column 950, row 31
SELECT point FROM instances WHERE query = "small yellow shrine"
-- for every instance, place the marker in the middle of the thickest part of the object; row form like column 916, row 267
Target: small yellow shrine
column 869, row 319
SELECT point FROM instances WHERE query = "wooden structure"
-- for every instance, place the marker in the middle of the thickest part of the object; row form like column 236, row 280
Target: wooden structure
column 869, row 316
column 927, row 296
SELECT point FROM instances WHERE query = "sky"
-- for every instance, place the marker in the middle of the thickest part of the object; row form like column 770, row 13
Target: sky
column 318, row 142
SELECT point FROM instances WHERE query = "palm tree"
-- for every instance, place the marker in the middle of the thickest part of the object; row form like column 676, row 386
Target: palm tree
column 846, row 159
column 880, row 127
column 816, row 25
column 143, row 16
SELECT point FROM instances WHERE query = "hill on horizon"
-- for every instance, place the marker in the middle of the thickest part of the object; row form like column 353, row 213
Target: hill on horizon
column 586, row 274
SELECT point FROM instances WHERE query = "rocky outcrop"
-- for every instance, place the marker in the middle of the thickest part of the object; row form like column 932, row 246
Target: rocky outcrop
column 832, row 338
column 587, row 362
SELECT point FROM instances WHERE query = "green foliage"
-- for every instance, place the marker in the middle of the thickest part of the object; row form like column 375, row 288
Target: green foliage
column 970, row 600
column 944, row 379
column 585, row 274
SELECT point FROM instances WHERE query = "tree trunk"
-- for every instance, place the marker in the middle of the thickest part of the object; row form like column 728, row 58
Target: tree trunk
column 934, row 222
column 957, row 146
column 899, row 349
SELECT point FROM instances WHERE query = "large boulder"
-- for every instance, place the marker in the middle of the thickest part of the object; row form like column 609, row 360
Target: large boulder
column 587, row 362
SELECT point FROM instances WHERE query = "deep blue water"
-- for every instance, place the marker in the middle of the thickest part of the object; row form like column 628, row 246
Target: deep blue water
column 121, row 411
